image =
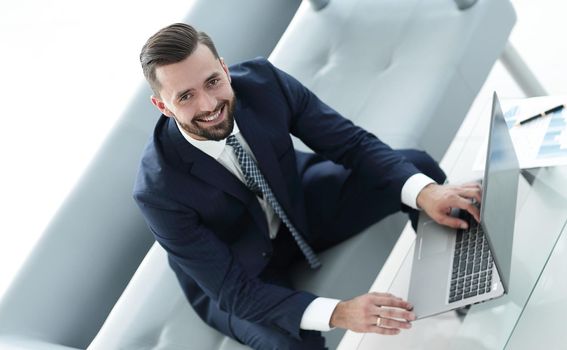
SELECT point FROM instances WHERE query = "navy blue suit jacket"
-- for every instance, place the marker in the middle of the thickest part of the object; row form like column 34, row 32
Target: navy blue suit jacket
column 213, row 227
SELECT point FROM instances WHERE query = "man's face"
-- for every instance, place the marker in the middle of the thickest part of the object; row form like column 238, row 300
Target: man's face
column 196, row 92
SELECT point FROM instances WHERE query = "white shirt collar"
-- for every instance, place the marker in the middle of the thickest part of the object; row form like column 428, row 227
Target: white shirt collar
column 209, row 147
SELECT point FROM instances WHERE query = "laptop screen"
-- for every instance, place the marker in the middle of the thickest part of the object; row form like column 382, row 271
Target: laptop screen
column 500, row 188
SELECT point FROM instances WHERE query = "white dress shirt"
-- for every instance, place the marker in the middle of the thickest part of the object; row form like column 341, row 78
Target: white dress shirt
column 317, row 315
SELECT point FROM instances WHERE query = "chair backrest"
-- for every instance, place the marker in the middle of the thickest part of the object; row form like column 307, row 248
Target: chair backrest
column 405, row 70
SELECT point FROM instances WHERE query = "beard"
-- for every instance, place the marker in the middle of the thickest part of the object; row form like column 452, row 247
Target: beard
column 215, row 132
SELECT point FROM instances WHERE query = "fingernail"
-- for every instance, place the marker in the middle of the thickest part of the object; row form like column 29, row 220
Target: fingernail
column 464, row 226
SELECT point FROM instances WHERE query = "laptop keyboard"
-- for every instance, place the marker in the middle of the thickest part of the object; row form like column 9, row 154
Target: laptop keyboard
column 472, row 263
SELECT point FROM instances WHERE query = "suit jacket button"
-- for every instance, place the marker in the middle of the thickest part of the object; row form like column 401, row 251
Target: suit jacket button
column 265, row 254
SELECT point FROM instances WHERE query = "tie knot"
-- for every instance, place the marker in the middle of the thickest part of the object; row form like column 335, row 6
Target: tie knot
column 232, row 141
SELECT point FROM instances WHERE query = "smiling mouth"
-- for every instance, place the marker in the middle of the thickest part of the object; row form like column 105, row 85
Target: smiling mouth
column 213, row 117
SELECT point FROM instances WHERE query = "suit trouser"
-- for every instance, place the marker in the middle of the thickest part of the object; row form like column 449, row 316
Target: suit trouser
column 337, row 209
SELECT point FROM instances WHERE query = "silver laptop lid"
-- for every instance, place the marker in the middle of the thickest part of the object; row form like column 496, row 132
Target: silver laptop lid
column 500, row 187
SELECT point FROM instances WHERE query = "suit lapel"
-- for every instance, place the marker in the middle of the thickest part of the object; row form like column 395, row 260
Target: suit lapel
column 212, row 172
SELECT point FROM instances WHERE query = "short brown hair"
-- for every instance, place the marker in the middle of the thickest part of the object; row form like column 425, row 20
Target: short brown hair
column 169, row 45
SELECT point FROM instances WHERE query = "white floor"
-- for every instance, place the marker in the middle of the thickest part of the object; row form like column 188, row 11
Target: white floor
column 69, row 70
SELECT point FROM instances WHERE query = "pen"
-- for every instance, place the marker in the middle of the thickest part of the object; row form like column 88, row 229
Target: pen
column 551, row 110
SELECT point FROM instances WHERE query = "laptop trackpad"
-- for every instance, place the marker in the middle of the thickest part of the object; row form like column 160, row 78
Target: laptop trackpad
column 436, row 239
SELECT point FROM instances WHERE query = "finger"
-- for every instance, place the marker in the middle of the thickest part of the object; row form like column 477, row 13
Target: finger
column 399, row 314
column 471, row 193
column 388, row 295
column 391, row 301
column 474, row 211
column 390, row 323
column 472, row 184
column 467, row 205
column 384, row 331
column 450, row 221
column 384, row 295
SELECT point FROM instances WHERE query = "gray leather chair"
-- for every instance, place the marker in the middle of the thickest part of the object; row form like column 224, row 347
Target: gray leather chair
column 405, row 70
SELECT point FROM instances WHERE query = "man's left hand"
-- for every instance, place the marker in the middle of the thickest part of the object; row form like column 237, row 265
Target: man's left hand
column 437, row 201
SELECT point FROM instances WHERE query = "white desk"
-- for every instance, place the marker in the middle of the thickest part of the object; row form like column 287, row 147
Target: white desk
column 540, row 253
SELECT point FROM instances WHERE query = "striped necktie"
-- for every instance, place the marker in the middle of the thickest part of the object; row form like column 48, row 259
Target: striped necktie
column 258, row 184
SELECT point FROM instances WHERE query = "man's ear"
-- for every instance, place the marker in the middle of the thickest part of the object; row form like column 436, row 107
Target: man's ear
column 225, row 68
column 156, row 101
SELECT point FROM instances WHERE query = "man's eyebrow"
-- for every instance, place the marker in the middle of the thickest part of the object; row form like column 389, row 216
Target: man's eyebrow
column 212, row 76
column 180, row 94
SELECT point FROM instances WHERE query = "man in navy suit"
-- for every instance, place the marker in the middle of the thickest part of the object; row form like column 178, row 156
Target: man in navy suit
column 234, row 205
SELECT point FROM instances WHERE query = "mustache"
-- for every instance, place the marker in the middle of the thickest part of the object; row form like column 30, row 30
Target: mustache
column 206, row 114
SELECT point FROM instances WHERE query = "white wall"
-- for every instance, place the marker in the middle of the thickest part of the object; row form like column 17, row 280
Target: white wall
column 69, row 69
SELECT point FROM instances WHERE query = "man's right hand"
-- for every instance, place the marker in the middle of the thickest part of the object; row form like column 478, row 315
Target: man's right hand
column 361, row 314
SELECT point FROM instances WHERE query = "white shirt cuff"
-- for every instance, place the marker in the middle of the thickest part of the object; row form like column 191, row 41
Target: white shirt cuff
column 412, row 187
column 317, row 315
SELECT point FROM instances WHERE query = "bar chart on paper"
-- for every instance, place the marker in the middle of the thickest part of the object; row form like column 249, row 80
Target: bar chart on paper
column 555, row 140
column 540, row 142
column 543, row 141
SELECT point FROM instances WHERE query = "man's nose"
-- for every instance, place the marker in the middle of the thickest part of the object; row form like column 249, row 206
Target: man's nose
column 207, row 103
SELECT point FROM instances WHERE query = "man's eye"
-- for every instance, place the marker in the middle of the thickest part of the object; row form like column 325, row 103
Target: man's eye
column 184, row 98
column 213, row 82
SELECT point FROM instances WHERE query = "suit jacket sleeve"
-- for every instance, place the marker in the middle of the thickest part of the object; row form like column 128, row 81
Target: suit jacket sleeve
column 329, row 134
column 210, row 262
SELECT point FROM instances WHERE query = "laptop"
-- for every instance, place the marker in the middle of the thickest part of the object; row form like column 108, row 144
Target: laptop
column 455, row 268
